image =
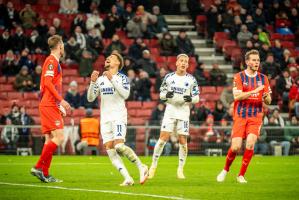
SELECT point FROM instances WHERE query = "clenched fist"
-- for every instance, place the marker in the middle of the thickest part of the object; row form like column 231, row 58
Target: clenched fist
column 94, row 76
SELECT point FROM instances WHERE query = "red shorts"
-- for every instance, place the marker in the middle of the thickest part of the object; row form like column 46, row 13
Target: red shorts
column 242, row 127
column 51, row 119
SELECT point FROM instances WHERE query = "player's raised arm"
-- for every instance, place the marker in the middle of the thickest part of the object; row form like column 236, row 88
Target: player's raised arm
column 123, row 87
column 93, row 90
column 194, row 92
column 164, row 93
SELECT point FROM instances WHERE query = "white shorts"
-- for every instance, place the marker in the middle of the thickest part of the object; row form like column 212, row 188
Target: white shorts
column 180, row 127
column 113, row 131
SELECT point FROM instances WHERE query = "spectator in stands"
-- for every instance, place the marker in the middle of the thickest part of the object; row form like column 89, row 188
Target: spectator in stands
column 131, row 136
column 225, row 132
column 229, row 115
column 23, row 82
column 6, row 41
column 135, row 27
column 115, row 44
column 78, row 21
column 94, row 41
column 184, row 43
column 264, row 50
column 276, row 138
column 272, row 11
column 294, row 97
column 277, row 51
column 160, row 26
column 133, row 80
column 57, row 26
column 72, row 95
column 228, row 20
column 37, row 44
column 20, row 41
column 271, row 68
column 14, row 115
column 283, row 86
column 127, row 15
column 263, row 36
column 80, row 37
column 286, row 59
column 201, row 74
column 143, row 86
column 259, row 17
column 168, row 45
column 157, row 114
column 51, row 32
column 236, row 28
column 219, row 111
column 36, row 77
column 136, row 49
column 25, row 60
column 68, row 6
column 24, row 133
column 218, row 76
column 255, row 41
column 294, row 20
column 27, row 16
column 250, row 23
column 202, row 112
column 10, row 136
column 42, row 28
column 84, row 6
column 243, row 36
column 261, row 146
column 212, row 20
column 71, row 47
column 10, row 65
column 227, row 96
column 86, row 104
column 147, row 64
column 291, row 132
column 195, row 8
column 293, row 73
column 146, row 17
column 129, row 64
column 86, row 57
column 111, row 23
column 95, row 21
column 277, row 119
column 234, row 6
column 160, row 77
column 11, row 16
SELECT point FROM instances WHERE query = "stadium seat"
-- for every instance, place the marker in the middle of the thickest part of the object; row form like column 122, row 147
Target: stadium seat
column 2, row 79
column 149, row 104
column 96, row 113
column 288, row 44
column 219, row 89
column 70, row 72
column 134, row 104
column 140, row 134
column 140, row 148
column 3, row 96
column 208, row 89
column 32, row 112
column 11, row 80
column 79, row 80
column 36, row 120
column 289, row 37
column 275, row 36
column 132, row 112
column 15, row 95
column 155, row 96
column 31, row 95
column 79, row 113
column 137, row 121
column 145, row 113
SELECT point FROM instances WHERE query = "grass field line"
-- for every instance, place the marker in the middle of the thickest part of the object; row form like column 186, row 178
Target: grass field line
column 98, row 191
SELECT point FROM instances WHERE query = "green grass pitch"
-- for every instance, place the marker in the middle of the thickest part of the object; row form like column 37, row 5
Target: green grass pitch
column 92, row 177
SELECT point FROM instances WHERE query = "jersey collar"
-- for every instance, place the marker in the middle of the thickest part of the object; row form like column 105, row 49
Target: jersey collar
column 55, row 57
column 254, row 75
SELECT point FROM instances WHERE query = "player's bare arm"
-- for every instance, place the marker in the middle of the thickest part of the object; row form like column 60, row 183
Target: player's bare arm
column 267, row 98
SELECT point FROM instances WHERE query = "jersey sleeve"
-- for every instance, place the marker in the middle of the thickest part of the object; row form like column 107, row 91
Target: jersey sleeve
column 122, row 87
column 163, row 89
column 50, row 68
column 93, row 90
column 267, row 88
column 237, row 84
column 194, row 91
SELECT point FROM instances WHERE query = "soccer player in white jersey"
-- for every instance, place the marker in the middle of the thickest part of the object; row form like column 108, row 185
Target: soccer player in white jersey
column 114, row 88
column 179, row 89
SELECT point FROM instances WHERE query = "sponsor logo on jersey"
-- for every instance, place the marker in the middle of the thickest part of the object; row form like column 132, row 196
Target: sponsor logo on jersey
column 259, row 83
column 107, row 90
column 178, row 90
column 57, row 123
column 245, row 83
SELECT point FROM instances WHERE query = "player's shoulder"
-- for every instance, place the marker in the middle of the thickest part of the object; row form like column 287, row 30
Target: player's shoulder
column 191, row 77
column 121, row 75
column 171, row 74
column 239, row 75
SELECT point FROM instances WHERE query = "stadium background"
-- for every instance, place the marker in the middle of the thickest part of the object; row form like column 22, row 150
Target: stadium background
column 216, row 42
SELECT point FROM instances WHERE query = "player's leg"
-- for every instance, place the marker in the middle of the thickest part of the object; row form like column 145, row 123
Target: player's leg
column 236, row 144
column 119, row 132
column 183, row 132
column 248, row 153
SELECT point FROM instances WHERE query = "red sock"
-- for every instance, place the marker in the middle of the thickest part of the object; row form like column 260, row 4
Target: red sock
column 46, row 157
column 229, row 159
column 245, row 161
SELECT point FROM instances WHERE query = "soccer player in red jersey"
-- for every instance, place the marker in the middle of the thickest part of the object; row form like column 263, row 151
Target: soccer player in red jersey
column 251, row 89
column 51, row 108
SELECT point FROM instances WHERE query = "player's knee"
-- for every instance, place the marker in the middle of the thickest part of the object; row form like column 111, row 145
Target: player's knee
column 120, row 147
column 250, row 145
column 235, row 148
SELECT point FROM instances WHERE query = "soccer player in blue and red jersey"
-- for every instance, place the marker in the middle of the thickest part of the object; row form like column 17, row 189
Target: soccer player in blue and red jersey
column 51, row 108
column 251, row 89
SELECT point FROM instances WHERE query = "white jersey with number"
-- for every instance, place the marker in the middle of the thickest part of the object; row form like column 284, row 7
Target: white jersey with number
column 176, row 107
column 113, row 94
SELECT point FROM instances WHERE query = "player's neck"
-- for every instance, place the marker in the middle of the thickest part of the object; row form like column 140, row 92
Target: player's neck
column 113, row 71
column 180, row 73
column 56, row 55
column 250, row 72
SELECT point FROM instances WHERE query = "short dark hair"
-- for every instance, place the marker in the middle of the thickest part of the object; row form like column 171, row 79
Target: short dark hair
column 251, row 52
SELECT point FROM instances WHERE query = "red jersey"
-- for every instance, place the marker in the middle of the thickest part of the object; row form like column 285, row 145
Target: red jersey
column 253, row 106
column 52, row 68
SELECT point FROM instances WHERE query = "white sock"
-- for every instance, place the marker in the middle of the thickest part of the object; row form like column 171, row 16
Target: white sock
column 129, row 153
column 158, row 151
column 183, row 152
column 118, row 164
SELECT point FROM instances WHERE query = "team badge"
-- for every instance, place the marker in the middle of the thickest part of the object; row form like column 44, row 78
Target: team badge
column 50, row 67
column 186, row 84
column 259, row 83
column 57, row 122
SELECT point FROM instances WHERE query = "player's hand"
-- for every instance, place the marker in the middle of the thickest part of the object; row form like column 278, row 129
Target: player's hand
column 187, row 98
column 94, row 76
column 170, row 94
column 258, row 89
column 108, row 74
column 65, row 104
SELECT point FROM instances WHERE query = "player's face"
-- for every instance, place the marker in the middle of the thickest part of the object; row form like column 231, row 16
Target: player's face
column 61, row 46
column 253, row 62
column 182, row 63
column 111, row 62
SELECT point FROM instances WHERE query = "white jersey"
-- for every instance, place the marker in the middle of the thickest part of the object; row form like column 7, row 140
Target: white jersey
column 176, row 107
column 113, row 94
